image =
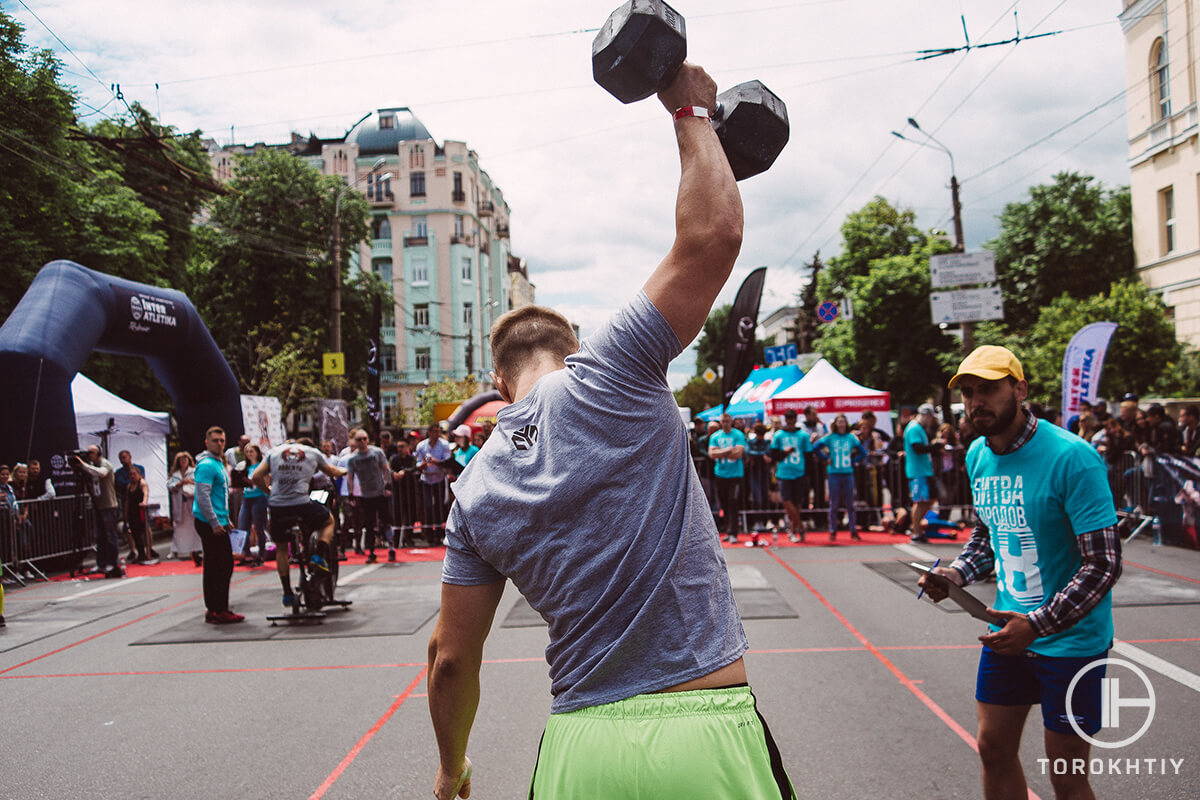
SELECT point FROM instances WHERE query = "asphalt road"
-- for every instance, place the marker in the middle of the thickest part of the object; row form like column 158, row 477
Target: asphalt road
column 869, row 692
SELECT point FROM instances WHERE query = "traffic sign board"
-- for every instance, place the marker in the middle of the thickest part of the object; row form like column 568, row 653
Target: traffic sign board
column 966, row 305
column 962, row 269
column 709, row 375
column 333, row 363
column 780, row 354
column 828, row 311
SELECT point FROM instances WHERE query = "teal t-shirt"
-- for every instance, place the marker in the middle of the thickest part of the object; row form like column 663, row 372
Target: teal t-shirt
column 210, row 469
column 252, row 490
column 1035, row 502
column 728, row 467
column 916, row 465
column 464, row 456
column 792, row 465
column 844, row 451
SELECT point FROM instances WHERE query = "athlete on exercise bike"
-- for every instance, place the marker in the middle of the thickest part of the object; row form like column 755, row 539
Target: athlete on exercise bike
column 287, row 471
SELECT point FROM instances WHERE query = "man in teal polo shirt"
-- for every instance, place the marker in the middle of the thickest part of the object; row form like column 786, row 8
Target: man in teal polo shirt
column 725, row 448
column 918, row 468
column 211, row 510
column 1047, row 525
column 792, row 445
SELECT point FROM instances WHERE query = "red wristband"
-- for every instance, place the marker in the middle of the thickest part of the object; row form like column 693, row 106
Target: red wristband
column 691, row 111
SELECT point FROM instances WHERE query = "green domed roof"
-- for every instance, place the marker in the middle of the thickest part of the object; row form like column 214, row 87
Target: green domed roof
column 373, row 139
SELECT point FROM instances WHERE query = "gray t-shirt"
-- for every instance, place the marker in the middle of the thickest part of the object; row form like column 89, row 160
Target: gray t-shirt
column 292, row 467
column 585, row 497
column 368, row 470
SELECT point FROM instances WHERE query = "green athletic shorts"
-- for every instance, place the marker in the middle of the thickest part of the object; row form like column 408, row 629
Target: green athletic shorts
column 709, row 743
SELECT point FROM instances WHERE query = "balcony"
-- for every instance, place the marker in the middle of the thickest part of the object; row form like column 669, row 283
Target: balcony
column 502, row 231
column 387, row 334
column 458, row 196
column 487, row 208
column 389, row 376
column 462, row 238
column 413, row 240
column 381, row 247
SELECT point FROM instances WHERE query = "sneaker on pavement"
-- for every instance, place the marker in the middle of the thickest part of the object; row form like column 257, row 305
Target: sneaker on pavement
column 751, row 542
column 319, row 562
column 391, row 554
column 794, row 539
column 289, row 601
column 372, row 558
column 222, row 617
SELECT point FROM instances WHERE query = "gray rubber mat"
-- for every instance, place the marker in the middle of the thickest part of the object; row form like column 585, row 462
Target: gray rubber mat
column 380, row 609
column 760, row 603
column 1135, row 587
column 49, row 619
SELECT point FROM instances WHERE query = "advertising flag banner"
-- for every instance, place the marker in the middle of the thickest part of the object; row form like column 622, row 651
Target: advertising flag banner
column 262, row 419
column 1081, row 367
column 739, row 333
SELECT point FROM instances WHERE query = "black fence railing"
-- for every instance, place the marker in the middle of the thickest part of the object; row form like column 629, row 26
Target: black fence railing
column 45, row 529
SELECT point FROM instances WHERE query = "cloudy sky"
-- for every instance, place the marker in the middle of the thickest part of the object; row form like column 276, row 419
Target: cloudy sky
column 591, row 182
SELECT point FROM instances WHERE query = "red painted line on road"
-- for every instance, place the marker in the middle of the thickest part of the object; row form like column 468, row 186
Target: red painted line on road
column 366, row 737
column 1159, row 571
column 905, row 681
column 87, row 639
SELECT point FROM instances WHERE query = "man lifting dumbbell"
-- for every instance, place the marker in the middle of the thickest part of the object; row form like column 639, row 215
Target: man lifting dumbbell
column 638, row 53
column 650, row 691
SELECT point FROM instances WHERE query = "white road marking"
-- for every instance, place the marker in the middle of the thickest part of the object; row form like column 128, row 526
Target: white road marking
column 1159, row 665
column 107, row 585
column 916, row 552
column 342, row 581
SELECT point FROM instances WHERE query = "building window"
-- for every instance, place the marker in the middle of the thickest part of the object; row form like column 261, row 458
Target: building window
column 1160, row 79
column 420, row 226
column 387, row 121
column 423, row 359
column 1166, row 213
column 416, row 184
column 379, row 187
column 387, row 401
column 466, row 268
column 468, row 314
column 416, row 157
column 383, row 268
column 388, row 318
column 420, row 270
column 459, row 195
column 421, row 315
column 458, row 225
column 387, row 358
column 381, row 228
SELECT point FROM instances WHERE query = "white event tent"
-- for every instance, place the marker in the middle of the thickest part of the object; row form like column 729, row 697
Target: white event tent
column 143, row 433
column 831, row 393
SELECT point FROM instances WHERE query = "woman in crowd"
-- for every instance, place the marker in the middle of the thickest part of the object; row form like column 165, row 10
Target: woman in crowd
column 843, row 451
column 464, row 450
column 135, row 518
column 181, row 484
column 252, row 516
column 948, row 462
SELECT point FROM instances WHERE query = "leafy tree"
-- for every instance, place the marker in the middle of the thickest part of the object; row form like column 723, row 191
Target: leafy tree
column 877, row 230
column 808, row 324
column 1071, row 236
column 1141, row 348
column 1180, row 377
column 891, row 342
column 698, row 394
column 443, row 392
column 264, row 257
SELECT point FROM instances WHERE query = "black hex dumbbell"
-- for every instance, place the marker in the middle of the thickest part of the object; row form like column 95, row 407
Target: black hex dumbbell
column 637, row 53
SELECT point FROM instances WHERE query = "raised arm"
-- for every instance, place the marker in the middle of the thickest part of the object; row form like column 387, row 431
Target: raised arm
column 708, row 213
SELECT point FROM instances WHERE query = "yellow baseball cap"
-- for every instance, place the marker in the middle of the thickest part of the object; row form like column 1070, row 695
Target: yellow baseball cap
column 991, row 363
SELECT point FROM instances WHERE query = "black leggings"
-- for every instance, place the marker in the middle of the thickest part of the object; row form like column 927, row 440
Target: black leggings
column 218, row 566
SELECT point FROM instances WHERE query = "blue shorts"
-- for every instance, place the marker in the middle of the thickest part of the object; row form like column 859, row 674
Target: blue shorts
column 919, row 489
column 794, row 490
column 1032, row 679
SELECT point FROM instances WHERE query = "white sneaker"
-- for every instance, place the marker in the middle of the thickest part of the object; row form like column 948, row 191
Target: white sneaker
column 750, row 543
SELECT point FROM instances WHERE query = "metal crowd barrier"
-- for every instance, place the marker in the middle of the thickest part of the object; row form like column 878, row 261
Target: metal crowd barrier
column 417, row 513
column 50, row 528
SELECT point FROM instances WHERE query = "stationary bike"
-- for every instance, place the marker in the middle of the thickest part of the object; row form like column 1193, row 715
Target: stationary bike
column 315, row 589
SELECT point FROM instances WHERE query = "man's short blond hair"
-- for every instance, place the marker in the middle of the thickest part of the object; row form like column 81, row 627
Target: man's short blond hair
column 519, row 336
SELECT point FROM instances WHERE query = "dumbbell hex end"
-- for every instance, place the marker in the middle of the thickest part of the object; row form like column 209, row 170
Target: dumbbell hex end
column 639, row 49
column 752, row 124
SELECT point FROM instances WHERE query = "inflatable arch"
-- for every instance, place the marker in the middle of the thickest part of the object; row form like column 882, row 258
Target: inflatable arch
column 69, row 311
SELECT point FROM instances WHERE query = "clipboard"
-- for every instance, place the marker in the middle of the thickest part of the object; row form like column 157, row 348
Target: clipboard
column 965, row 600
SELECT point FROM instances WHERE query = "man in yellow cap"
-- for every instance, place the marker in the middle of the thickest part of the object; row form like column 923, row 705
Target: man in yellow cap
column 1045, row 508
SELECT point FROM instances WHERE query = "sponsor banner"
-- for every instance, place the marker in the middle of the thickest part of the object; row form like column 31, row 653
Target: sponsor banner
column 739, row 333
column 262, row 420
column 1082, row 363
column 835, row 405
column 334, row 423
column 142, row 321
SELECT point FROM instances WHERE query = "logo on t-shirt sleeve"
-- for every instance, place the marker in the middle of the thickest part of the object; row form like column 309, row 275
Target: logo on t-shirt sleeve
column 525, row 438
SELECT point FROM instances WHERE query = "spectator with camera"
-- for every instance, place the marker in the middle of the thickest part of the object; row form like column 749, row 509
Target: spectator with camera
column 101, row 475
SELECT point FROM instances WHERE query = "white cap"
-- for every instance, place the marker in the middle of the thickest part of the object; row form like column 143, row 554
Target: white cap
column 463, row 430
column 926, row 408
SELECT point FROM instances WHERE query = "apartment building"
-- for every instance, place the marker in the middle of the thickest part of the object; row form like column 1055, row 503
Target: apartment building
column 439, row 236
column 1164, row 152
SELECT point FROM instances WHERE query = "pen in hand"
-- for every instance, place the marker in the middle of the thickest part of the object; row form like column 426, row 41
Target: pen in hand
column 921, row 593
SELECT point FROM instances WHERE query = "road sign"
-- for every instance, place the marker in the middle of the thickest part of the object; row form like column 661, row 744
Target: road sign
column 333, row 363
column 962, row 269
column 828, row 311
column 966, row 305
column 780, row 354
column 709, row 375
